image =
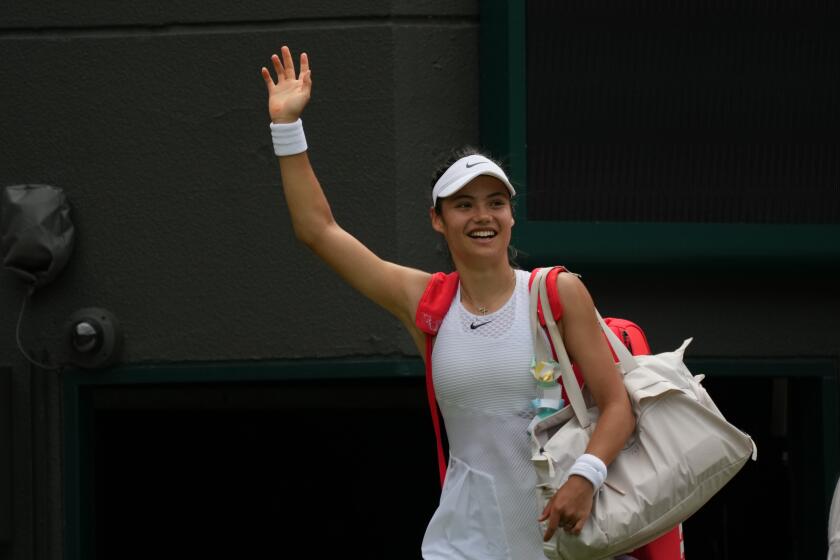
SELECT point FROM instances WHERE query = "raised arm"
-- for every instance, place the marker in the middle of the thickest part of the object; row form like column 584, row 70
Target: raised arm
column 396, row 288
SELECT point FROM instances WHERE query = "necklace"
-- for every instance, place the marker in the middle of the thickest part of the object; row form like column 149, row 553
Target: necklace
column 483, row 308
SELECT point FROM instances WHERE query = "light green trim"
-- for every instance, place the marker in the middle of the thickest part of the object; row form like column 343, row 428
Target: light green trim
column 502, row 83
column 77, row 491
column 678, row 243
column 215, row 372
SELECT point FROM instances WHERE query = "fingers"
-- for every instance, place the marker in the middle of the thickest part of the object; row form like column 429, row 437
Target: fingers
column 549, row 532
column 269, row 82
column 304, row 63
column 553, row 522
column 560, row 514
column 278, row 68
column 569, row 508
column 552, row 516
column 288, row 63
column 285, row 68
column 571, row 527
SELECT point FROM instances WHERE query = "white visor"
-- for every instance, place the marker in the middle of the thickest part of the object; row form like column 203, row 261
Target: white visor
column 465, row 170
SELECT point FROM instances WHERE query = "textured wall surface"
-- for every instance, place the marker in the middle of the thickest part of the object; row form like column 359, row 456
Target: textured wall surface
column 153, row 119
column 160, row 141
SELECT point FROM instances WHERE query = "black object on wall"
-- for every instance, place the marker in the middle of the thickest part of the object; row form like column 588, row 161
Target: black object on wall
column 93, row 338
column 36, row 240
column 36, row 231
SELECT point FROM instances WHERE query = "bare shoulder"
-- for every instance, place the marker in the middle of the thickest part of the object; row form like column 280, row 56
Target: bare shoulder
column 573, row 293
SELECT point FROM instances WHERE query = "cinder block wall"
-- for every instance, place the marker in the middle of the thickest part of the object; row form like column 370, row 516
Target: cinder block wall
column 153, row 119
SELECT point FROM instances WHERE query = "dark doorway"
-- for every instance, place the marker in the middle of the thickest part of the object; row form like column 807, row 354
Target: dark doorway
column 775, row 507
column 280, row 470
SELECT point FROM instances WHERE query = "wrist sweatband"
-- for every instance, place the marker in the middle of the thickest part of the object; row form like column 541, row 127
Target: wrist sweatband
column 288, row 138
column 591, row 468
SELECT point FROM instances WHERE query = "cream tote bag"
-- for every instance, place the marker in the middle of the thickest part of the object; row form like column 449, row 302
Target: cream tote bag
column 682, row 452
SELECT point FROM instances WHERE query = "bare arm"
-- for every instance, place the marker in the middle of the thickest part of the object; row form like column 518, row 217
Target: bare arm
column 396, row 288
column 585, row 343
column 587, row 347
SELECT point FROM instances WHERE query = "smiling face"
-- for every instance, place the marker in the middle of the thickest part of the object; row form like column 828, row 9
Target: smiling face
column 476, row 221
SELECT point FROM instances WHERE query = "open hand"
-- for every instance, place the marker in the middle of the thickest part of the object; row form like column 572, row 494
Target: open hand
column 287, row 97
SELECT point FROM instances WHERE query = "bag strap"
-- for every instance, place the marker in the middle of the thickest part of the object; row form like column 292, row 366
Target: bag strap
column 540, row 296
column 431, row 309
column 435, row 301
column 430, row 394
column 573, row 392
column 541, row 353
column 553, row 295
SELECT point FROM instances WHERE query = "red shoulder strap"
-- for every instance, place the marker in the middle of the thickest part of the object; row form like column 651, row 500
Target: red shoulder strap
column 553, row 296
column 434, row 303
column 556, row 305
column 430, row 394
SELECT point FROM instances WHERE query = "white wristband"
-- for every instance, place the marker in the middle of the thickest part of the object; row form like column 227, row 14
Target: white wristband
column 591, row 468
column 288, row 138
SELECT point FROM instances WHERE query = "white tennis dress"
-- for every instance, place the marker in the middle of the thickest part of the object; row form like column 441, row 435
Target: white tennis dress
column 481, row 369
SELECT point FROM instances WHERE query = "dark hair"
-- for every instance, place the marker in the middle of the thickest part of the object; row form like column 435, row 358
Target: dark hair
column 454, row 156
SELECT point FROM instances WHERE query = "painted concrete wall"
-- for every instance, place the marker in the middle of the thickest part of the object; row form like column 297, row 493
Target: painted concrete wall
column 153, row 119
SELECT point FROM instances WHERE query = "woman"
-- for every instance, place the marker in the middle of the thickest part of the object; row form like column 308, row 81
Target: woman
column 487, row 507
